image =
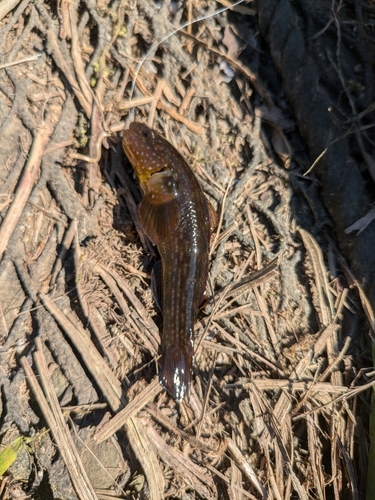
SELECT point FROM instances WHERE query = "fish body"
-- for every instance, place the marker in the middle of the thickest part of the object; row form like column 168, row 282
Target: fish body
column 178, row 218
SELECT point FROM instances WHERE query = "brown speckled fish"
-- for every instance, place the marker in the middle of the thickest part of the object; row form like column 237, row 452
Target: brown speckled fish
column 177, row 217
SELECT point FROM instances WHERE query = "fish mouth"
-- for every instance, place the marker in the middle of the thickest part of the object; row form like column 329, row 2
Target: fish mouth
column 161, row 170
column 145, row 176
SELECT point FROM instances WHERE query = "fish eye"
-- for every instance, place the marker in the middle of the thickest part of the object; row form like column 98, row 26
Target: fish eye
column 145, row 134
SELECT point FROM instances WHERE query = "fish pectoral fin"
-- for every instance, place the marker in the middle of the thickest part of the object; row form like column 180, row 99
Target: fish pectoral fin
column 156, row 284
column 158, row 219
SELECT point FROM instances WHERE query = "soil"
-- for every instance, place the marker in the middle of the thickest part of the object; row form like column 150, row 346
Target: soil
column 271, row 104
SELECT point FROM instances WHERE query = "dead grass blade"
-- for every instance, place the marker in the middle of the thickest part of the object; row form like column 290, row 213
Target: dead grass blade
column 26, row 182
column 6, row 6
column 76, row 56
column 244, row 465
column 245, row 350
column 141, row 443
column 291, row 386
column 239, row 490
column 361, row 224
column 195, row 476
column 238, row 289
column 148, row 323
column 321, row 278
column 50, row 408
column 149, row 336
column 67, row 241
column 166, row 422
column 276, row 425
column 102, row 374
column 220, row 222
column 64, row 67
column 160, row 104
column 315, row 452
column 235, row 482
column 130, row 410
column 111, row 389
column 77, row 277
column 255, row 279
column 350, row 470
column 366, row 304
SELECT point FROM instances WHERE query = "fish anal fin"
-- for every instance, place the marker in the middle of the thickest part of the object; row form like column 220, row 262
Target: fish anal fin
column 158, row 219
column 156, row 284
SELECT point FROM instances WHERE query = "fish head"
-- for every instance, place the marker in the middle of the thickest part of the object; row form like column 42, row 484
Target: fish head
column 153, row 160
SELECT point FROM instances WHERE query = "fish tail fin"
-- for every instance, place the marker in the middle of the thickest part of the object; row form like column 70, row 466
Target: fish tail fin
column 175, row 373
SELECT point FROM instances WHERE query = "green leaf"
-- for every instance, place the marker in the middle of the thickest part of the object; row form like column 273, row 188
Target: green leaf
column 9, row 454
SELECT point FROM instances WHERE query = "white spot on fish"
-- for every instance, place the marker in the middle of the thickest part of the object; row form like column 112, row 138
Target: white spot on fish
column 178, row 383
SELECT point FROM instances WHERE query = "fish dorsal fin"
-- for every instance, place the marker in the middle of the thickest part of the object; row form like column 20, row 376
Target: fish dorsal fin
column 158, row 220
